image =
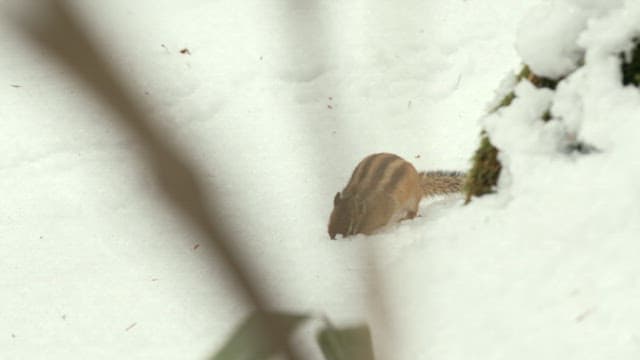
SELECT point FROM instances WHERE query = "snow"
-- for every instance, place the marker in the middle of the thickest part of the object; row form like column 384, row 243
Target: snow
column 547, row 38
column 548, row 35
column 277, row 102
column 528, row 133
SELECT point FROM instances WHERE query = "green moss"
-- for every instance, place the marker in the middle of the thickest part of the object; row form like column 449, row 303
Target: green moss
column 485, row 168
column 484, row 174
column 631, row 67
column 506, row 101
column 536, row 80
column 526, row 73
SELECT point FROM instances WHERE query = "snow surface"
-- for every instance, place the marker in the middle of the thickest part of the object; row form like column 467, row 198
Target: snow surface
column 277, row 101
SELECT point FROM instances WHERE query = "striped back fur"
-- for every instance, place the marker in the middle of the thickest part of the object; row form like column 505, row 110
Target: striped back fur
column 381, row 186
column 375, row 173
column 441, row 182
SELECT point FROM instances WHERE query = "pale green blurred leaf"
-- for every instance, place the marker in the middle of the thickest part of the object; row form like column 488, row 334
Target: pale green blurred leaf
column 254, row 339
column 352, row 343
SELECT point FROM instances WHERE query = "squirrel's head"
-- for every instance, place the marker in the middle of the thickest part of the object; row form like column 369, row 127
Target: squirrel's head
column 346, row 215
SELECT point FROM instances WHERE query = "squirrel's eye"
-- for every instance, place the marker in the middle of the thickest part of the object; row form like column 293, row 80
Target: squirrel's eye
column 336, row 199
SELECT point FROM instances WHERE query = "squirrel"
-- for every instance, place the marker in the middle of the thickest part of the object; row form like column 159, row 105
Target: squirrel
column 385, row 188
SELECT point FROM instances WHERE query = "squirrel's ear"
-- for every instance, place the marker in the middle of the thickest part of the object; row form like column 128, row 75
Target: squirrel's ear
column 336, row 199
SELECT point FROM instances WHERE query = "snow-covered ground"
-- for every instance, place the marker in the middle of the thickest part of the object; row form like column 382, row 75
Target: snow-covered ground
column 277, row 101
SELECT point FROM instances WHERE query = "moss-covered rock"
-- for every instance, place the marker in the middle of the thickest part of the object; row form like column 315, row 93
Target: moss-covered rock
column 630, row 66
column 486, row 168
column 484, row 174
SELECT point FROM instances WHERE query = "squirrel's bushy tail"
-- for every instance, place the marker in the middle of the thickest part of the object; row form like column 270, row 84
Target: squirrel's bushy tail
column 441, row 182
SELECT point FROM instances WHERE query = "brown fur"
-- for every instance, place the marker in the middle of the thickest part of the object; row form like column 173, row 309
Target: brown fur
column 385, row 188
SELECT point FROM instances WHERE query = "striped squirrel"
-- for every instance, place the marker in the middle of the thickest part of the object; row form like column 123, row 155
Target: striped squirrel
column 384, row 188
